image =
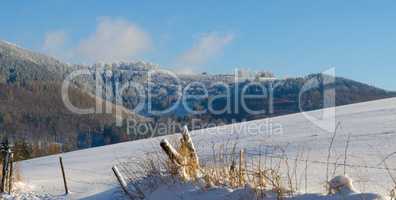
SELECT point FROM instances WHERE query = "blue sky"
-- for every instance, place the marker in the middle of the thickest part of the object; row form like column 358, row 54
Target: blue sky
column 290, row 38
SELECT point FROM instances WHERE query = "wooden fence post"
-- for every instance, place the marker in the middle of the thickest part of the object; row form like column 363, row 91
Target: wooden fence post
column 190, row 145
column 178, row 160
column 11, row 169
column 63, row 175
column 122, row 182
column 3, row 185
column 241, row 167
column 172, row 153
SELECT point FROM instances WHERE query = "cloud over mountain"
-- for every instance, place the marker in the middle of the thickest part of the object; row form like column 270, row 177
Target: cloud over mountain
column 55, row 43
column 205, row 48
column 113, row 40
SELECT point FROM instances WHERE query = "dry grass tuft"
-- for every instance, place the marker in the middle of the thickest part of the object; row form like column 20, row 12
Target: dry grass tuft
column 227, row 167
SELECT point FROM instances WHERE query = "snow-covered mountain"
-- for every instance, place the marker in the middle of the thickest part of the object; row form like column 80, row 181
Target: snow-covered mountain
column 29, row 65
column 371, row 125
column 26, row 73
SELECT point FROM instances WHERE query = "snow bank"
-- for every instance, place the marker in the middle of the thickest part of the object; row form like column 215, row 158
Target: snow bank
column 30, row 196
column 342, row 186
column 24, row 192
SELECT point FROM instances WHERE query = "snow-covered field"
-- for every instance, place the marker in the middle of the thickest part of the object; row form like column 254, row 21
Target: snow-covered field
column 372, row 126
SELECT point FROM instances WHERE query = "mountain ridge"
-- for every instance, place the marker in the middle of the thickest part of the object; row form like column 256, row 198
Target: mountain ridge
column 30, row 80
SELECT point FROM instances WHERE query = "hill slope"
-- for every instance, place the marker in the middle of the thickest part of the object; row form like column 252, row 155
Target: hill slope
column 18, row 65
column 371, row 125
column 32, row 112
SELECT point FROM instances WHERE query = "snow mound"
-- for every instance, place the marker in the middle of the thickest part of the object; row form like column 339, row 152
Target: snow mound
column 30, row 196
column 24, row 192
column 190, row 191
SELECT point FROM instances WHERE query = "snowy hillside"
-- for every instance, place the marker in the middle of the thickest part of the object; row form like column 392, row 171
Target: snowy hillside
column 372, row 126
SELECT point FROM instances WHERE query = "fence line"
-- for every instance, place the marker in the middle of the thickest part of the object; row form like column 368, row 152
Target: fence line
column 251, row 153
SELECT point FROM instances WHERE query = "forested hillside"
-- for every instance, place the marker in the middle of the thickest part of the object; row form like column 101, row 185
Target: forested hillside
column 33, row 115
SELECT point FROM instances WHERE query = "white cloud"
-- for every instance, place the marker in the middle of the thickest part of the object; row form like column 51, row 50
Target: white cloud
column 54, row 39
column 204, row 49
column 54, row 44
column 114, row 40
